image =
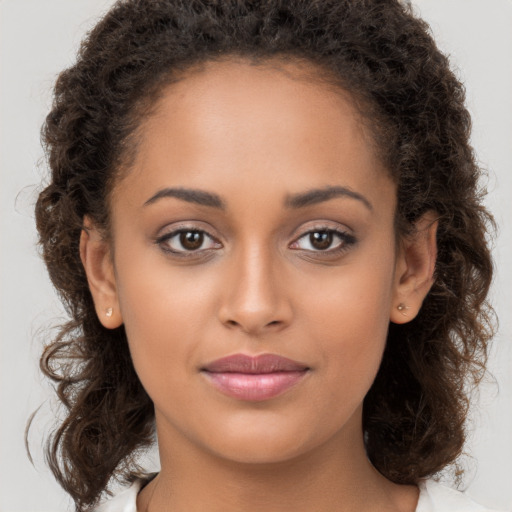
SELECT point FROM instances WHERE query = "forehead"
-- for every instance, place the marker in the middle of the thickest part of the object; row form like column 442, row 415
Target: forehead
column 293, row 97
column 277, row 121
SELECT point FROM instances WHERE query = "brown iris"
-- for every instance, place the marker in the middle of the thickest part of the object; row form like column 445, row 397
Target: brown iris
column 321, row 240
column 191, row 240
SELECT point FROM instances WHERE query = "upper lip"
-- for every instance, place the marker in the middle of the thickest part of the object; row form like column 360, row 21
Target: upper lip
column 264, row 363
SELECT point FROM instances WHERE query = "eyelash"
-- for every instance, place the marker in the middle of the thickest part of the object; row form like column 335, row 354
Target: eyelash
column 165, row 239
column 345, row 241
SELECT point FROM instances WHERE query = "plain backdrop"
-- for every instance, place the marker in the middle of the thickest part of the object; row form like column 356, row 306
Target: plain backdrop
column 38, row 38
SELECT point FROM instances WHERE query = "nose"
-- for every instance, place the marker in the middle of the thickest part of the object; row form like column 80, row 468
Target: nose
column 254, row 298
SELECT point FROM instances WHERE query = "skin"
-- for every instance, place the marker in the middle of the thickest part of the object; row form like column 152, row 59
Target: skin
column 254, row 136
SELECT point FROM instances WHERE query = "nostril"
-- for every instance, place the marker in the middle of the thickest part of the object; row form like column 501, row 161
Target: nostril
column 234, row 323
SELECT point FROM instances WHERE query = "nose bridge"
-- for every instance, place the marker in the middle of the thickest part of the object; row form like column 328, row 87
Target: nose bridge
column 255, row 299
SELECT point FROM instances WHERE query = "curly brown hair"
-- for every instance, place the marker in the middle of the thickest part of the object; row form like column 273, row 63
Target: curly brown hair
column 377, row 50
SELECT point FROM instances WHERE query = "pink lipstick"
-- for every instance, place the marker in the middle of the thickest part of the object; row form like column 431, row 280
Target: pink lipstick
column 254, row 378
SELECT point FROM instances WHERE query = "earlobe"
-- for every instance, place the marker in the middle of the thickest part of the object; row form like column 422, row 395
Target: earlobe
column 414, row 271
column 96, row 258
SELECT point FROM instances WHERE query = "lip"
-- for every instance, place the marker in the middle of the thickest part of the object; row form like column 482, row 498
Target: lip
column 254, row 378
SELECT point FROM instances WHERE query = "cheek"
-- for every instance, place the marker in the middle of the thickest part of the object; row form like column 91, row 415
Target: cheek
column 164, row 312
column 349, row 319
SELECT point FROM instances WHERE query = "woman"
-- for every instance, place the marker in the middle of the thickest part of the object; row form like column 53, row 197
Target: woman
column 265, row 221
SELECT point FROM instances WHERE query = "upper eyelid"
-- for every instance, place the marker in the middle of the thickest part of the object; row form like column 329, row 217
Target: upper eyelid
column 320, row 226
column 324, row 228
column 177, row 227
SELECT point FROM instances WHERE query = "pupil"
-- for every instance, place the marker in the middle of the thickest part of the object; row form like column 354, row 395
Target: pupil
column 321, row 239
column 191, row 239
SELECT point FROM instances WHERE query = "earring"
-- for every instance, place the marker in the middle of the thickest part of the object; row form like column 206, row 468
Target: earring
column 402, row 307
column 109, row 312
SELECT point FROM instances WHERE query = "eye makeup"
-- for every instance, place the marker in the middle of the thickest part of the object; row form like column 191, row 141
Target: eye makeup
column 189, row 241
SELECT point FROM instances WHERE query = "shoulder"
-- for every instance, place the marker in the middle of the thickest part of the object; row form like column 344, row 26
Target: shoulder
column 124, row 501
column 435, row 497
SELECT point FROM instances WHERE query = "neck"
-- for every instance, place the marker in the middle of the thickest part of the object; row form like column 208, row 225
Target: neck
column 336, row 476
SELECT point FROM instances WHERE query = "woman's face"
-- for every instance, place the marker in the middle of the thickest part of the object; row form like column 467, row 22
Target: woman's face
column 256, row 219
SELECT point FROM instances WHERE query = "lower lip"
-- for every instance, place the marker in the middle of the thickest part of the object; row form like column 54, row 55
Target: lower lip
column 254, row 387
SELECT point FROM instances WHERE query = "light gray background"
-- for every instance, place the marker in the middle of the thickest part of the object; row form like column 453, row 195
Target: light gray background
column 38, row 38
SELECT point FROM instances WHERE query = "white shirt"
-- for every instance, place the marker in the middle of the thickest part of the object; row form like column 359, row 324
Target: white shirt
column 434, row 497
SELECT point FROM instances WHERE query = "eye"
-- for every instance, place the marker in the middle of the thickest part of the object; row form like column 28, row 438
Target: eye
column 187, row 241
column 323, row 240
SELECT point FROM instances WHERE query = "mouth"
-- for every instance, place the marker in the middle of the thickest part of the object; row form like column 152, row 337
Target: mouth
column 254, row 378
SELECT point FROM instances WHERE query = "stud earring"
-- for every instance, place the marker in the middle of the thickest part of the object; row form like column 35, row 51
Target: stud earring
column 109, row 312
column 402, row 307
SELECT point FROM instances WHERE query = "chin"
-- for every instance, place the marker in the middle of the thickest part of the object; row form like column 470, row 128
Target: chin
column 265, row 442
column 261, row 453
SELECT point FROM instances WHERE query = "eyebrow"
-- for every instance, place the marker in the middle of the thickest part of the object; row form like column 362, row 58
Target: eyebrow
column 301, row 200
column 320, row 195
column 200, row 197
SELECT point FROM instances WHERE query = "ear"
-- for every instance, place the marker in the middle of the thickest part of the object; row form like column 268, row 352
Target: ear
column 414, row 270
column 96, row 258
